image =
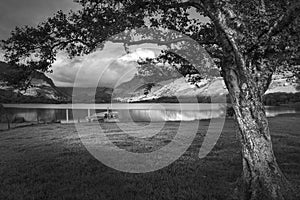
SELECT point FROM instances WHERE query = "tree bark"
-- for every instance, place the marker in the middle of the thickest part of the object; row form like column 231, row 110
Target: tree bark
column 8, row 122
column 247, row 77
column 262, row 178
column 4, row 112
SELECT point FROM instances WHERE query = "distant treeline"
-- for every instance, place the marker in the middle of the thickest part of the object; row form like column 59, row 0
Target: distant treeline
column 277, row 99
column 273, row 99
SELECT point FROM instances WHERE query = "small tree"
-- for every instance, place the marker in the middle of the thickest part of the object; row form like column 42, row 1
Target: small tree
column 4, row 113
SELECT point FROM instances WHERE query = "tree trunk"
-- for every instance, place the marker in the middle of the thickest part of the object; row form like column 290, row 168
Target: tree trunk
column 8, row 122
column 261, row 179
column 4, row 112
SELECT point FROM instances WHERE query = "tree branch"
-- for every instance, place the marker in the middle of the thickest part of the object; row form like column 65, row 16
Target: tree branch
column 227, row 34
column 190, row 3
column 262, row 7
column 161, row 42
column 69, row 42
column 286, row 19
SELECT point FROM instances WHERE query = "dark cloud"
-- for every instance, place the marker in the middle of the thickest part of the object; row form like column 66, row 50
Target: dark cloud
column 103, row 67
column 29, row 12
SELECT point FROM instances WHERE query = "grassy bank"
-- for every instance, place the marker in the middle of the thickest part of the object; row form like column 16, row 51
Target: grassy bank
column 50, row 162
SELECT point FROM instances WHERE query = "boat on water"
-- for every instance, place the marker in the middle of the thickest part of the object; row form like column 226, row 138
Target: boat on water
column 108, row 116
column 111, row 117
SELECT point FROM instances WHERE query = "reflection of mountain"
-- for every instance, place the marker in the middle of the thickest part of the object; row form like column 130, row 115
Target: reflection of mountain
column 43, row 90
column 170, row 115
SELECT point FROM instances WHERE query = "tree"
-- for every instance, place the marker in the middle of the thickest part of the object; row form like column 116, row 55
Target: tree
column 4, row 112
column 249, row 41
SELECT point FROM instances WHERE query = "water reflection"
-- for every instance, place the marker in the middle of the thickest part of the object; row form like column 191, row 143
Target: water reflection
column 273, row 111
column 56, row 115
column 169, row 115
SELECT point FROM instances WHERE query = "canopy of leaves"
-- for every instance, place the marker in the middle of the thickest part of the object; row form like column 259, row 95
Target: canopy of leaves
column 261, row 30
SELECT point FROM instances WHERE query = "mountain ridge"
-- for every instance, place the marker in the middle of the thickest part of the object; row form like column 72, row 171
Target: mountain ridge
column 193, row 86
column 42, row 89
column 139, row 89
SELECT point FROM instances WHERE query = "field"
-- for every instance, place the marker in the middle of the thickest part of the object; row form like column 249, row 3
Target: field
column 50, row 162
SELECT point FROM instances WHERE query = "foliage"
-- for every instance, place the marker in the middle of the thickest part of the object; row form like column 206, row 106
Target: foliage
column 268, row 30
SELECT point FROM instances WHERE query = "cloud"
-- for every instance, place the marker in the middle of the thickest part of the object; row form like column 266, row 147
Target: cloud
column 140, row 53
column 106, row 68
column 98, row 68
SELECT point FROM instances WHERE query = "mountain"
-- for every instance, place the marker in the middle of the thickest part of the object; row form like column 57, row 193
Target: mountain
column 43, row 90
column 192, row 85
column 284, row 83
column 184, row 82
column 88, row 95
column 170, row 90
column 147, row 86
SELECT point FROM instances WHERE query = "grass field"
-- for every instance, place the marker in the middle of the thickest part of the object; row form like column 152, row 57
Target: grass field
column 50, row 162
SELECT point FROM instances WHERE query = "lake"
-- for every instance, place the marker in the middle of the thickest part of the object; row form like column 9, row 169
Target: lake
column 128, row 112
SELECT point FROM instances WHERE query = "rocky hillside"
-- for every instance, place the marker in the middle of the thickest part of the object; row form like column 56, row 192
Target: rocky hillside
column 191, row 86
column 149, row 86
column 43, row 90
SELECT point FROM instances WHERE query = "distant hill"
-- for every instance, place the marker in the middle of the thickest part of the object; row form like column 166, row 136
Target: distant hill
column 43, row 89
column 88, row 95
column 170, row 90
column 143, row 88
column 202, row 89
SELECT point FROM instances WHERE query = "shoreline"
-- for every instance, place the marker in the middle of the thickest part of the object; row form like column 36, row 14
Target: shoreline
column 3, row 126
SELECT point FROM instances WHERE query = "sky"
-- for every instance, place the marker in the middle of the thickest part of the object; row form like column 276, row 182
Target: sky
column 29, row 12
column 106, row 67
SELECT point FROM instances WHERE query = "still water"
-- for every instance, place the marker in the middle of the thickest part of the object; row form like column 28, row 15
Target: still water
column 128, row 112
